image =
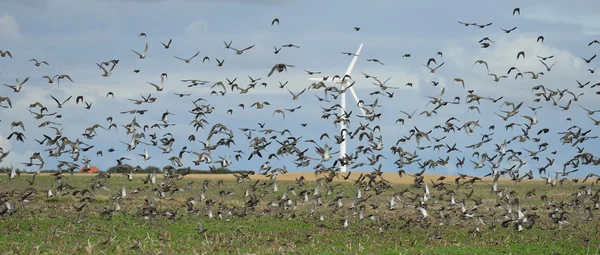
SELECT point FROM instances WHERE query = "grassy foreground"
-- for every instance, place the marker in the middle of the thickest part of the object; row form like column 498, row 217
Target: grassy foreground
column 54, row 226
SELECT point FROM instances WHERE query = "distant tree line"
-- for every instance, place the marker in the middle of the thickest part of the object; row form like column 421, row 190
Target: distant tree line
column 148, row 169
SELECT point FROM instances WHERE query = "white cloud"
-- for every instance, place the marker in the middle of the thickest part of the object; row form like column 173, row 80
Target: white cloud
column 502, row 55
column 14, row 158
column 578, row 13
column 5, row 144
column 9, row 29
column 197, row 28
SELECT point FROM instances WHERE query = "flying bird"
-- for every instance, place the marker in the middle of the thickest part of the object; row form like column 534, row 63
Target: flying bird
column 589, row 60
column 239, row 52
column 188, row 60
column 142, row 56
column 516, row 11
column 279, row 68
column 168, row 44
column 540, row 39
column 38, row 63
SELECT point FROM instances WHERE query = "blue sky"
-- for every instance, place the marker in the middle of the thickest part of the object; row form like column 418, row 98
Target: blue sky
column 74, row 35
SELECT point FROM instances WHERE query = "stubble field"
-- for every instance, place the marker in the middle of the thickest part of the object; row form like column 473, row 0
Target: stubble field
column 252, row 218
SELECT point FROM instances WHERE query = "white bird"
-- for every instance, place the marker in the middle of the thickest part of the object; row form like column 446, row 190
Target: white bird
column 106, row 72
column 142, row 56
column 145, row 155
column 17, row 87
column 427, row 194
column 533, row 120
column 423, row 212
column 123, row 191
column 12, row 174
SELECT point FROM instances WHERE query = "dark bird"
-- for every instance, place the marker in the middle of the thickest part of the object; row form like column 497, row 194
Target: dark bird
column 168, row 44
column 589, row 60
column 375, row 60
column 508, row 30
column 279, row 68
column 517, row 11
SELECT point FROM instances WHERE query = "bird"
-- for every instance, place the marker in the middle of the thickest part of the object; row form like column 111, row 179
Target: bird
column 289, row 45
column 142, row 56
column 7, row 100
column 548, row 68
column 18, row 85
column 466, row 24
column 38, row 63
column 275, row 20
column 187, row 60
column 482, row 62
column 545, row 58
column 296, row 96
column 60, row 105
column 239, row 52
column 432, row 70
column 589, row 60
column 279, row 68
column 106, row 73
column 540, row 39
column 460, row 80
column 311, row 72
column 497, row 78
column 168, row 44
column 375, row 60
column 5, row 54
column 508, row 30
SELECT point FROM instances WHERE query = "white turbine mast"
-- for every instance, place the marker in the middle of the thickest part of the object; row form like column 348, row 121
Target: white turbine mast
column 343, row 83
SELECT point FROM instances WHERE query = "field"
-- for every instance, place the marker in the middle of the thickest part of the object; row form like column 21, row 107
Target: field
column 276, row 225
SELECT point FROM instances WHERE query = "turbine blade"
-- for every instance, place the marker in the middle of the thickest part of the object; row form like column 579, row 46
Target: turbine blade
column 354, row 59
column 356, row 99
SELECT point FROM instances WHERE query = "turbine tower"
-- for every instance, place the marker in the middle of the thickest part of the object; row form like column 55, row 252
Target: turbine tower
column 343, row 83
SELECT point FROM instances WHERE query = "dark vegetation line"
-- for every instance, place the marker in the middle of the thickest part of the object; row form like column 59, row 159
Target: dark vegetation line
column 148, row 169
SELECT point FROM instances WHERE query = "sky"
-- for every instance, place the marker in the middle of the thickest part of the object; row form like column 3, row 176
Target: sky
column 72, row 36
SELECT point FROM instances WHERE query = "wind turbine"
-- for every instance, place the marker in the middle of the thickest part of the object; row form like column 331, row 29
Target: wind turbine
column 343, row 83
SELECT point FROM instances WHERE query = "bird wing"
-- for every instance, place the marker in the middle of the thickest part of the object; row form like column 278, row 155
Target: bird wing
column 195, row 55
column 272, row 70
column 56, row 100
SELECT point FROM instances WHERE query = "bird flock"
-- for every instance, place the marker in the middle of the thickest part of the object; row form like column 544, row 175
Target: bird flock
column 526, row 152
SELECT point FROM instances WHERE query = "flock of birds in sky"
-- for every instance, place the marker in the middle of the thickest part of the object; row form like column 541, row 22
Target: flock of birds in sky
column 71, row 149
column 61, row 145
column 75, row 151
